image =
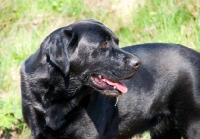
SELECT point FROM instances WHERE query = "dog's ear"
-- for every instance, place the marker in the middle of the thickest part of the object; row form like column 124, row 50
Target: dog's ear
column 58, row 48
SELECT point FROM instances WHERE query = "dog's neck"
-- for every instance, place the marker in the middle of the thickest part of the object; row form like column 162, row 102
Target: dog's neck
column 82, row 94
column 71, row 85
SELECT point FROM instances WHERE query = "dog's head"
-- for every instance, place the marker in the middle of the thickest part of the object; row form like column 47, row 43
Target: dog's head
column 90, row 51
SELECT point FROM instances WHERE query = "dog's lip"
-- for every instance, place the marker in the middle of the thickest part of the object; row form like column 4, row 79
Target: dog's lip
column 111, row 93
column 108, row 86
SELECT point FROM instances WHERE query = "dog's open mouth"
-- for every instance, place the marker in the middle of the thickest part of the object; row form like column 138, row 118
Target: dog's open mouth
column 109, row 87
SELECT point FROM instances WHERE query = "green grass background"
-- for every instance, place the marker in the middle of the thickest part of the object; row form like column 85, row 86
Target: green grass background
column 25, row 23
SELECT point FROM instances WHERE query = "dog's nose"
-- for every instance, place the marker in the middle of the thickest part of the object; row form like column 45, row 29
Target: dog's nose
column 134, row 62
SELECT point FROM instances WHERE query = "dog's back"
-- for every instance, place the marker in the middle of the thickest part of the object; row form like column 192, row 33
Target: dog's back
column 164, row 95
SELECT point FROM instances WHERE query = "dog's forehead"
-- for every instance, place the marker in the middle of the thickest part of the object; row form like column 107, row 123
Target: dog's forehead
column 93, row 28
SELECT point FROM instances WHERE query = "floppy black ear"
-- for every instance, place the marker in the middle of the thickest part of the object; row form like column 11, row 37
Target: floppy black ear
column 58, row 49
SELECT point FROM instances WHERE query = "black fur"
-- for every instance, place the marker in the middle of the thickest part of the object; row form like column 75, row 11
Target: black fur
column 62, row 72
column 61, row 103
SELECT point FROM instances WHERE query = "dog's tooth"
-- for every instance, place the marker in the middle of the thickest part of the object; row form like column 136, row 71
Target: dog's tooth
column 114, row 87
column 104, row 80
column 99, row 76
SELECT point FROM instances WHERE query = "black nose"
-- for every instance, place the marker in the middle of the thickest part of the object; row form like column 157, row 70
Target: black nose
column 133, row 62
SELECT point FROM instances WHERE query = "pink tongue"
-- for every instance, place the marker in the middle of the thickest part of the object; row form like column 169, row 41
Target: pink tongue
column 119, row 85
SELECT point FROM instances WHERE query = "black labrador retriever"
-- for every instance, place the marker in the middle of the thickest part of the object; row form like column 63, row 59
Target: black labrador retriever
column 70, row 64
column 75, row 87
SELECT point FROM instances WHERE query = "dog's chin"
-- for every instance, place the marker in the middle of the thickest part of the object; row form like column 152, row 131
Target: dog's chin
column 107, row 86
column 111, row 93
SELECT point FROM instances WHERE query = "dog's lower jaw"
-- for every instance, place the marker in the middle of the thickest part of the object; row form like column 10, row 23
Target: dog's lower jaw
column 111, row 94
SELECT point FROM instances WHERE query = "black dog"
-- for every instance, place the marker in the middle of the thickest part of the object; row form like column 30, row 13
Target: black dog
column 70, row 64
column 59, row 101
column 164, row 95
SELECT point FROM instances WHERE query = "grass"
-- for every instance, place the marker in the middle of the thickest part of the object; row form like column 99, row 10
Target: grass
column 24, row 24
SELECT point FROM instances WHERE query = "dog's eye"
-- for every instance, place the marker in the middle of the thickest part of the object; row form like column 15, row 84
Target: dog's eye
column 104, row 45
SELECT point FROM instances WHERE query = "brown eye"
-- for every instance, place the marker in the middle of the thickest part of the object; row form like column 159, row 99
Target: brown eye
column 104, row 45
